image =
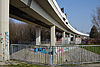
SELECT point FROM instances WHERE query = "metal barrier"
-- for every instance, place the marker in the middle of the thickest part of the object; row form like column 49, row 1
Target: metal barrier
column 45, row 42
column 53, row 55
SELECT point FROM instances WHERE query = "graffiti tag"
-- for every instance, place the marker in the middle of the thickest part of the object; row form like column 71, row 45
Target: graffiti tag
column 0, row 55
column 6, row 40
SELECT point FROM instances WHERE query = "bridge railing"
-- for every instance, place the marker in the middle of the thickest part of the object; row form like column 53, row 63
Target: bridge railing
column 55, row 55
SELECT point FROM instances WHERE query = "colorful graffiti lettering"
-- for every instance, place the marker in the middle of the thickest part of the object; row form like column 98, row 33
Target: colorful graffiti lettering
column 1, row 38
column 65, row 49
column 6, row 40
column 51, row 51
column 60, row 50
column 0, row 55
column 42, row 50
column 0, row 34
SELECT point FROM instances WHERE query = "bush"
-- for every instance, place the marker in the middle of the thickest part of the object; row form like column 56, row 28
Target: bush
column 94, row 41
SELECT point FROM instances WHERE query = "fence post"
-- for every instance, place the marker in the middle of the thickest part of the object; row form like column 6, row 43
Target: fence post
column 52, row 55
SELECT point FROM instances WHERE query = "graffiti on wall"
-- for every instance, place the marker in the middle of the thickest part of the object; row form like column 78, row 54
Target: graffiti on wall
column 4, row 40
column 51, row 51
column 1, row 41
column 1, row 38
column 78, row 40
column 0, row 55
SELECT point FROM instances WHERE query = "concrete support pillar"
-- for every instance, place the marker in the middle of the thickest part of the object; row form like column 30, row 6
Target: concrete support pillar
column 64, row 34
column 4, row 30
column 69, row 40
column 53, row 41
column 63, row 38
column 38, row 36
column 74, row 39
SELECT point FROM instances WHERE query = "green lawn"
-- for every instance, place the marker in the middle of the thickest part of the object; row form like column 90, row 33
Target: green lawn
column 26, row 65
column 94, row 49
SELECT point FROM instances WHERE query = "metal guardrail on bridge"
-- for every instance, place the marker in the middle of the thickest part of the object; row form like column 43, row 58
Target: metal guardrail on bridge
column 55, row 55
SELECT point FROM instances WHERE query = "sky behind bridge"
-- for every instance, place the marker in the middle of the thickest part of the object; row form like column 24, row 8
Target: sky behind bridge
column 79, row 12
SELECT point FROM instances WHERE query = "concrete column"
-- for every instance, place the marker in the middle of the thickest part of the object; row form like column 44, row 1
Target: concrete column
column 53, row 41
column 4, row 30
column 38, row 36
column 74, row 39
column 64, row 34
column 63, row 38
column 69, row 39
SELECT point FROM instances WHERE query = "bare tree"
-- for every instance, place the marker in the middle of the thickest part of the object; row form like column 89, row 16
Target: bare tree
column 25, row 33
column 96, row 19
column 21, row 32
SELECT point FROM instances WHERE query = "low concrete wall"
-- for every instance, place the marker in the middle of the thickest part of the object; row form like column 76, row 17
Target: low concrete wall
column 76, row 55
column 72, row 55
column 30, row 56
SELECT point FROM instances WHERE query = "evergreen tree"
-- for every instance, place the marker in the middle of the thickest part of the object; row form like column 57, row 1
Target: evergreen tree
column 94, row 32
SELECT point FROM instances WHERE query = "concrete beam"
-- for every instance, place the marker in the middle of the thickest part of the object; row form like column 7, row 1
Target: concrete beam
column 4, row 30
column 37, row 8
column 53, row 41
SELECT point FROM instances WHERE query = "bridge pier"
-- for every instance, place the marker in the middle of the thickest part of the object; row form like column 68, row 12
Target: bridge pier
column 69, row 38
column 63, row 38
column 53, row 39
column 74, row 38
column 38, row 36
column 4, row 30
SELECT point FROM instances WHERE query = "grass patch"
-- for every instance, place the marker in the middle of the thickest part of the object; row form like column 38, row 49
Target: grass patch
column 94, row 49
column 26, row 65
column 88, row 44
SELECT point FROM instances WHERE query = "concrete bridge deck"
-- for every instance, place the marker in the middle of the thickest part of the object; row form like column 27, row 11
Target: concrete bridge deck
column 41, row 13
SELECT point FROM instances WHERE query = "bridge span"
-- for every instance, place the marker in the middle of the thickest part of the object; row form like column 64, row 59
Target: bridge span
column 42, row 13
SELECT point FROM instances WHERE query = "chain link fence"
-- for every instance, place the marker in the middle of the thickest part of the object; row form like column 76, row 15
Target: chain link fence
column 55, row 55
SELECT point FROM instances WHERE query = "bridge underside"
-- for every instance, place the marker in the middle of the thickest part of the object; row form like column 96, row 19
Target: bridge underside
column 36, row 14
column 22, row 13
